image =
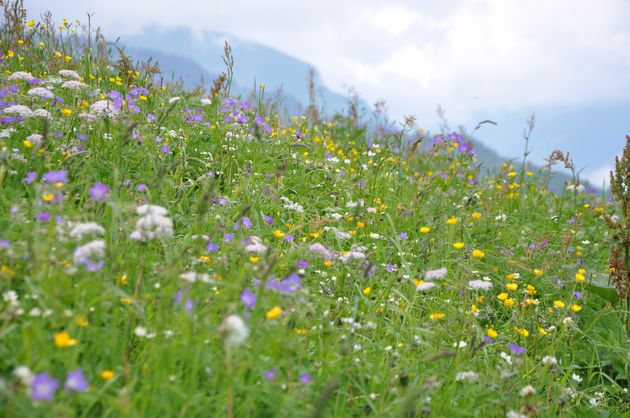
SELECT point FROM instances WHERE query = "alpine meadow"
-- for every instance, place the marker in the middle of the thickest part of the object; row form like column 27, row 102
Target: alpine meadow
column 187, row 253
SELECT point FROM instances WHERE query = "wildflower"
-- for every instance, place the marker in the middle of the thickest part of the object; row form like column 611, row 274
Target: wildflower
column 273, row 313
column 478, row 254
column 248, row 298
column 52, row 177
column 66, row 112
column 509, row 302
column 435, row 274
column 576, row 308
column 452, row 221
column 367, row 291
column 80, row 230
column 305, row 378
column 527, row 391
column 558, row 304
column 104, row 108
column 522, row 332
column 174, row 100
column 73, row 85
column 69, row 74
column 458, row 245
column 321, row 250
column 502, row 296
column 469, row 375
column 20, row 110
column 492, row 333
column 479, row 284
column 425, row 229
column 41, row 92
column 254, row 244
column 63, row 340
column 476, row 215
column 234, row 331
column 107, row 374
column 576, row 377
column 270, row 374
column 24, row 374
column 421, row 285
column 153, row 224
column 278, row 233
column 290, row 284
column 436, row 316
column 21, row 75
column 43, row 387
column 579, row 277
column 516, row 349
column 99, row 191
column 76, row 381
column 549, row 361
column 90, row 255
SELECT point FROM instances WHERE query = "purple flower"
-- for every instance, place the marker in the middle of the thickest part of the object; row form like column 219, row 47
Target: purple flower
column 150, row 117
column 76, row 381
column 99, row 191
column 227, row 238
column 212, row 247
column 5, row 243
column 302, row 264
column 31, row 176
column 248, row 298
column 141, row 187
column 289, row 238
column 487, row 339
column 390, row 268
column 43, row 217
column 306, row 378
column 165, row 149
column 246, row 222
column 270, row 374
column 43, row 387
column 60, row 176
column 290, row 284
column 403, row 235
column 516, row 349
column 268, row 219
column 577, row 295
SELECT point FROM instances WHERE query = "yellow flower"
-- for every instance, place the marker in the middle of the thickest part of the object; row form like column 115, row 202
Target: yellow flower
column 538, row 272
column 278, row 233
column 107, row 374
column 531, row 290
column 478, row 254
column 558, row 304
column 458, row 245
column 579, row 277
column 511, row 276
column 425, row 229
column 30, row 23
column 254, row 259
column 474, row 308
column 509, row 302
column 502, row 296
column 81, row 321
column 205, row 259
column 367, row 291
column 66, row 112
column 360, row 224
column 273, row 313
column 512, row 174
column 492, row 333
column 451, row 221
column 522, row 331
column 476, row 215
column 328, row 263
column 542, row 331
column 436, row 316
column 27, row 143
column 63, row 340
column 123, row 279
column 576, row 308
column 511, row 286
column 48, row 197
column 529, row 174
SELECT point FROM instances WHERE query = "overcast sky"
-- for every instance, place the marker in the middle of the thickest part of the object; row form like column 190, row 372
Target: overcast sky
column 470, row 56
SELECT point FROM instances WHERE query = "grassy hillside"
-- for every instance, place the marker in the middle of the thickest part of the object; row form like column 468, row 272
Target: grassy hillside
column 166, row 253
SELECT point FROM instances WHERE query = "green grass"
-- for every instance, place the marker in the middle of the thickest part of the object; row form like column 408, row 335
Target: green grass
column 362, row 333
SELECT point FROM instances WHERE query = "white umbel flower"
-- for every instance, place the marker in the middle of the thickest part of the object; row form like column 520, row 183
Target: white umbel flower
column 549, row 361
column 103, row 108
column 93, row 250
column 21, row 75
column 19, row 110
column 73, row 85
column 153, row 224
column 234, row 331
column 69, row 74
column 83, row 229
column 468, row 375
column 479, row 284
column 41, row 113
column 41, row 92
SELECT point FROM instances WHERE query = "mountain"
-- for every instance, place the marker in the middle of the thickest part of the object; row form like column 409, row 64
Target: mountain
column 195, row 56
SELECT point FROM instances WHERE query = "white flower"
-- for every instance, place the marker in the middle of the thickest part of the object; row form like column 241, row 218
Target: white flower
column 35, row 139
column 502, row 217
column 506, row 357
column 479, row 284
column 41, row 92
column 549, row 361
column 41, row 113
column 89, row 252
column 174, row 100
column 352, row 255
column 88, row 117
column 461, row 344
column 6, row 133
column 425, row 286
column 234, row 331
column 69, row 74
column 21, row 75
column 206, row 101
column 291, row 205
column 514, row 414
column 154, row 224
column 73, row 85
column 321, row 250
column 24, row 375
column 192, row 277
column 528, row 390
column 435, row 274
column 469, row 375
column 140, row 332
column 80, row 230
column 19, row 110
column 103, row 108
column 254, row 244
column 576, row 377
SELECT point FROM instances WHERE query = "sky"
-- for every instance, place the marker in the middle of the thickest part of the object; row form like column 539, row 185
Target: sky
column 475, row 58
